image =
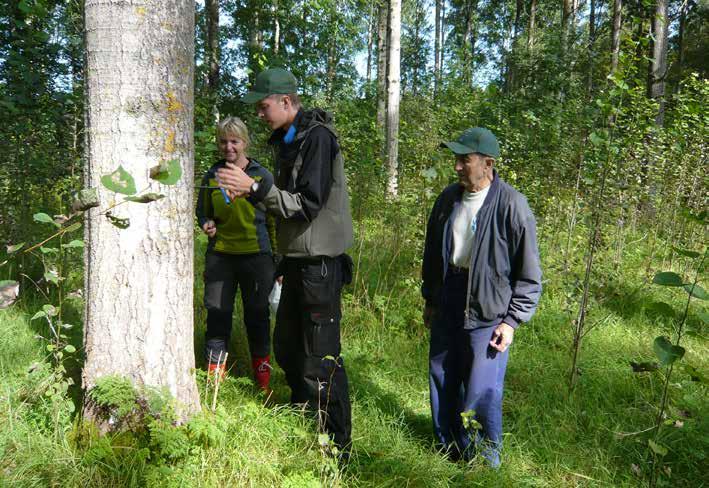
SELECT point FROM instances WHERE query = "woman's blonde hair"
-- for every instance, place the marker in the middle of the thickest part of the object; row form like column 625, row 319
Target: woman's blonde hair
column 233, row 126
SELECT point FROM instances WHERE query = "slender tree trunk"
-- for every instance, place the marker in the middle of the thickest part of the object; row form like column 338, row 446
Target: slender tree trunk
column 615, row 36
column 566, row 22
column 531, row 26
column 382, row 63
column 212, row 8
column 469, row 39
column 255, row 42
column 332, row 58
column 392, row 141
column 591, row 43
column 437, row 51
column 138, row 283
column 276, row 28
column 659, row 59
column 370, row 40
column 511, row 67
column 680, row 41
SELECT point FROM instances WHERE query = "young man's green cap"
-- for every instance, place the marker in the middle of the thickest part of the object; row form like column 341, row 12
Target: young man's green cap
column 271, row 82
column 475, row 140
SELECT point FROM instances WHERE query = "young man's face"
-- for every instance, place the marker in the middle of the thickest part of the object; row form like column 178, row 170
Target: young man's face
column 274, row 110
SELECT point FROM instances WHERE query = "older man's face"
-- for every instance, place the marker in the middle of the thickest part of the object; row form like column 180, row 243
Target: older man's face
column 474, row 171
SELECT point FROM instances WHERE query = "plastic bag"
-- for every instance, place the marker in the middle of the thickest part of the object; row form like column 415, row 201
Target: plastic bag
column 275, row 297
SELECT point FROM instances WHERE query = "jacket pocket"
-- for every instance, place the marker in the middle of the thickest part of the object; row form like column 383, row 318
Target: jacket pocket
column 494, row 296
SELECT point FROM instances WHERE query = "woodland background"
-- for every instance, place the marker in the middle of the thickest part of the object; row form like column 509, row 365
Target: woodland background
column 600, row 108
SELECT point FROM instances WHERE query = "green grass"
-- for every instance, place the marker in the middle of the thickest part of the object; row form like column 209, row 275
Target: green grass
column 591, row 437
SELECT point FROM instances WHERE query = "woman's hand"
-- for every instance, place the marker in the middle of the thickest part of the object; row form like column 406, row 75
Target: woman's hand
column 209, row 228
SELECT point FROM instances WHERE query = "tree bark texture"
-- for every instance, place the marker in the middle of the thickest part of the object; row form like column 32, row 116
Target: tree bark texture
column 531, row 24
column 566, row 21
column 212, row 7
column 138, row 281
column 276, row 28
column 437, row 50
column 382, row 62
column 659, row 58
column 393, row 92
column 591, row 44
column 615, row 35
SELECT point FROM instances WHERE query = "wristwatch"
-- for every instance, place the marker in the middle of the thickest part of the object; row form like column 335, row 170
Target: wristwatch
column 254, row 187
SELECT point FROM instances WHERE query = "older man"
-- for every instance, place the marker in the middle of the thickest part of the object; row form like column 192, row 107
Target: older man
column 314, row 228
column 481, row 279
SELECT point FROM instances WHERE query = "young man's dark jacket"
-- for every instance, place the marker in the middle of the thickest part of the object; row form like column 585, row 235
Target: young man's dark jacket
column 504, row 277
column 310, row 193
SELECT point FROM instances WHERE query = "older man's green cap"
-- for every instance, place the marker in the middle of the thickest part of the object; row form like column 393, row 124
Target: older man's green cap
column 475, row 140
column 271, row 82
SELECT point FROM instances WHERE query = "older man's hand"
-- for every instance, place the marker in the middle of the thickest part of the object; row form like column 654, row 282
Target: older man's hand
column 502, row 337
column 234, row 180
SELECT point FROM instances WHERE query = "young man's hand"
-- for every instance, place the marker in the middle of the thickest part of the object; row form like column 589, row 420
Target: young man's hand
column 210, row 228
column 234, row 181
column 502, row 337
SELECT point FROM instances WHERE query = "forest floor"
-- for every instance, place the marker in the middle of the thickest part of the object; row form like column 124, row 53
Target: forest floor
column 596, row 435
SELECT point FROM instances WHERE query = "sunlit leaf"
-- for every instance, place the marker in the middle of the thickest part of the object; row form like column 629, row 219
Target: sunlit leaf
column 697, row 291
column 667, row 352
column 69, row 348
column 72, row 227
column 73, row 244
column 120, row 181
column 9, row 291
column 38, row 315
column 121, row 223
column 657, row 448
column 45, row 219
column 146, row 198
column 668, row 278
column 167, row 172
column 52, row 276
column 15, row 248
column 48, row 250
column 50, row 310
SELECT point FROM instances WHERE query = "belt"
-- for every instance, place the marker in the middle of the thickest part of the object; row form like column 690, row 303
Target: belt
column 457, row 269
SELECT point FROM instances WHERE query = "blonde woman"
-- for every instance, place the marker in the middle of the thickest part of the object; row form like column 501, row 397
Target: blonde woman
column 239, row 255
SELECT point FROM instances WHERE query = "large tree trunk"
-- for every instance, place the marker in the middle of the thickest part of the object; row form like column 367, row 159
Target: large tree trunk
column 139, row 316
column 382, row 62
column 212, row 7
column 659, row 59
column 615, row 36
column 393, row 89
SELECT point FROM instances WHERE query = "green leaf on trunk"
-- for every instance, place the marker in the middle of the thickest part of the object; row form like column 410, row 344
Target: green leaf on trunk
column 120, row 181
column 121, row 223
column 73, row 244
column 15, row 248
column 145, row 198
column 84, row 200
column 697, row 291
column 667, row 278
column 657, row 448
column 9, row 291
column 686, row 252
column 167, row 172
column 45, row 219
column 667, row 352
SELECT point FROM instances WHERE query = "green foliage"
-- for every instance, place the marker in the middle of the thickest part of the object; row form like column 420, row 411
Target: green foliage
column 116, row 394
column 167, row 173
column 667, row 352
column 120, row 181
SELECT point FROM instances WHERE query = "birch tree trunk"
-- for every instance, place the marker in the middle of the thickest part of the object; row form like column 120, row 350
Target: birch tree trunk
column 276, row 28
column 382, row 53
column 393, row 91
column 138, row 283
column 615, row 36
column 659, row 59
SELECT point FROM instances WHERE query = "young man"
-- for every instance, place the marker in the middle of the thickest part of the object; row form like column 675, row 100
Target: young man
column 481, row 279
column 314, row 228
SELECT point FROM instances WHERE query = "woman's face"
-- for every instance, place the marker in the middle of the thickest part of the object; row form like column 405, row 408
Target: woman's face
column 231, row 147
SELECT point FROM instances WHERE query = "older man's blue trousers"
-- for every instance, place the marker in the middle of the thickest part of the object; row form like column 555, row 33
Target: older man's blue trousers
column 465, row 374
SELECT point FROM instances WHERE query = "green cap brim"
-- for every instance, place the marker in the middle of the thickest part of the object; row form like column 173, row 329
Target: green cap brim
column 253, row 97
column 457, row 147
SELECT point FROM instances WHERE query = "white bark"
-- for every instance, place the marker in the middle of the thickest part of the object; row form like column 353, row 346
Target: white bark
column 393, row 90
column 382, row 43
column 615, row 36
column 659, row 58
column 139, row 315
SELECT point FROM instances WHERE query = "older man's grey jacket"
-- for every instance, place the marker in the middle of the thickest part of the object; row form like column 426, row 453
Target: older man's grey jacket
column 505, row 277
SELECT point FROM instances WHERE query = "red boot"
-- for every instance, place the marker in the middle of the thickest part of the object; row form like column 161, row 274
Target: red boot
column 262, row 371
